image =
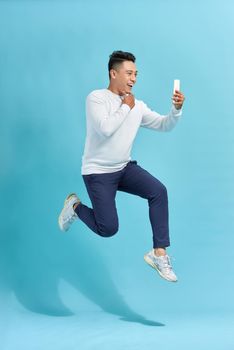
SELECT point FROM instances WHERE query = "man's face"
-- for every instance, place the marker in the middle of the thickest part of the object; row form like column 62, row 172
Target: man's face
column 124, row 77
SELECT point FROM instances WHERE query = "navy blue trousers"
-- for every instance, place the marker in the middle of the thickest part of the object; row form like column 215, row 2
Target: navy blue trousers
column 103, row 218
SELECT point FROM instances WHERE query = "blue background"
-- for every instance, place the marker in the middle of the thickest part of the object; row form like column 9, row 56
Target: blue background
column 78, row 290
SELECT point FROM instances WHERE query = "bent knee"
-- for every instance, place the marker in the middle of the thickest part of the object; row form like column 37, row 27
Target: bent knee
column 163, row 190
column 160, row 192
column 109, row 230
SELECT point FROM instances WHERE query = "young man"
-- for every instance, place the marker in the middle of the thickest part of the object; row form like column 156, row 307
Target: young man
column 113, row 118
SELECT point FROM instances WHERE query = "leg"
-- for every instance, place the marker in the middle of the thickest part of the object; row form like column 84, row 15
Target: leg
column 139, row 182
column 103, row 218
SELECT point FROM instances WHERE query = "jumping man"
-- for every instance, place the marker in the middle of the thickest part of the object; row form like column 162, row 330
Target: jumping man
column 113, row 117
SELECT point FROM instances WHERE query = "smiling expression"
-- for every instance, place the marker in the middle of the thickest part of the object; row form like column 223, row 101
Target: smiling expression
column 123, row 78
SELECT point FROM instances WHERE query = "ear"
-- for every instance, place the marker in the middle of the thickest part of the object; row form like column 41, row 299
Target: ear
column 113, row 73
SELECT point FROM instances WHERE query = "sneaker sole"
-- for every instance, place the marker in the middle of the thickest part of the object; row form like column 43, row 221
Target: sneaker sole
column 149, row 262
column 60, row 225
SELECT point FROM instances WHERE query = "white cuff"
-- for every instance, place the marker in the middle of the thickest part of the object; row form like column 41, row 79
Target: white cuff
column 176, row 112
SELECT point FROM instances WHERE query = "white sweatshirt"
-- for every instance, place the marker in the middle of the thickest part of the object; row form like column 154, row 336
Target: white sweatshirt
column 112, row 127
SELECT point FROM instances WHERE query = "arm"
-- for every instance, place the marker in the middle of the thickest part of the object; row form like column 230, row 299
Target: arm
column 154, row 120
column 103, row 123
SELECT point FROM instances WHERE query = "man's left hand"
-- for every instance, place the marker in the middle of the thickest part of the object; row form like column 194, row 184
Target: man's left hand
column 178, row 99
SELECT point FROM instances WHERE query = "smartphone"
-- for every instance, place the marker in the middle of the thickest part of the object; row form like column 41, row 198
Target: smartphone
column 176, row 85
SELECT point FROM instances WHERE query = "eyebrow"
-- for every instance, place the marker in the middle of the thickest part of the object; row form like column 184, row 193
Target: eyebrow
column 130, row 70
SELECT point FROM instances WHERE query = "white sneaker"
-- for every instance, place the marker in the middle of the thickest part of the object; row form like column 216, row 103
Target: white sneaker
column 68, row 215
column 162, row 265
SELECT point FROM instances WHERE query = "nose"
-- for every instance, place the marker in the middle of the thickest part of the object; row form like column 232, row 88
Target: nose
column 133, row 79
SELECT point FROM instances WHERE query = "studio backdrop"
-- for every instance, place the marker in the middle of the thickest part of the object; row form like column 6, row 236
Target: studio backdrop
column 53, row 54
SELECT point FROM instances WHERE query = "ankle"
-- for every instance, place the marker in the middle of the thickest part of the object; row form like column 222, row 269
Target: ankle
column 75, row 205
column 160, row 251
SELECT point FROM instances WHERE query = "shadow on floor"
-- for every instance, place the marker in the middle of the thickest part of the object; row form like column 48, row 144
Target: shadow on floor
column 34, row 255
column 34, row 265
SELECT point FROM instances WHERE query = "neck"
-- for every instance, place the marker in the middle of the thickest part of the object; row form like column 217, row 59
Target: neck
column 114, row 90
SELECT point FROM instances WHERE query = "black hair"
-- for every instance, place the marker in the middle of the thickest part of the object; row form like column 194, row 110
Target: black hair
column 118, row 57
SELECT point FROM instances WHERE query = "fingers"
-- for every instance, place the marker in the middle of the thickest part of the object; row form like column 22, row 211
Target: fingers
column 178, row 93
column 178, row 97
column 130, row 96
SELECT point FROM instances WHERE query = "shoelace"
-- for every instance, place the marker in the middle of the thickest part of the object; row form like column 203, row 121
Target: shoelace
column 166, row 263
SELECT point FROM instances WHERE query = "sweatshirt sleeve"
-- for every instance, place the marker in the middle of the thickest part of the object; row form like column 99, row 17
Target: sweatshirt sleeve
column 97, row 113
column 153, row 120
